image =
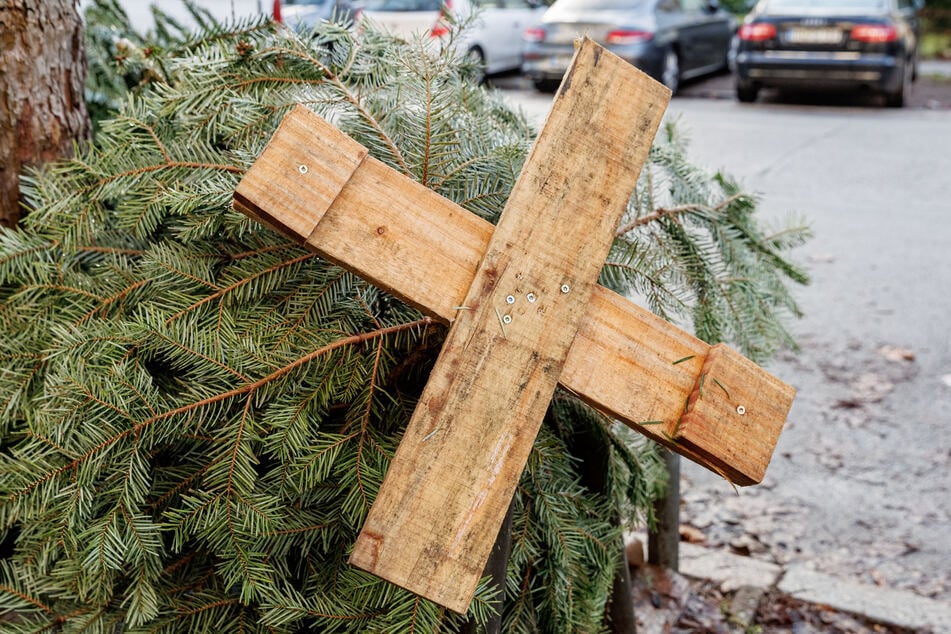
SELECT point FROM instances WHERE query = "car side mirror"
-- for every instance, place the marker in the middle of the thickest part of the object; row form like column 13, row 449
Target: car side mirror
column 712, row 6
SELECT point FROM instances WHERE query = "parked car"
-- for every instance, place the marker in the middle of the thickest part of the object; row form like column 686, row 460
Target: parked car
column 671, row 40
column 837, row 44
column 493, row 41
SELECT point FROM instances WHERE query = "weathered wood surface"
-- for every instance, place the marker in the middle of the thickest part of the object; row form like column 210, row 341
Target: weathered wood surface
column 437, row 516
column 621, row 361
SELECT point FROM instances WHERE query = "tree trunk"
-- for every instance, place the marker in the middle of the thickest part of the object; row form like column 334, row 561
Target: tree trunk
column 42, row 105
column 594, row 454
column 663, row 543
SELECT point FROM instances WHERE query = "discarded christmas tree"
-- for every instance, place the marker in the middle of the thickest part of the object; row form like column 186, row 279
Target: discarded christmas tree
column 199, row 413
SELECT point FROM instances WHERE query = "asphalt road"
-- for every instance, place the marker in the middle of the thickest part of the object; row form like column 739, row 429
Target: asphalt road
column 860, row 486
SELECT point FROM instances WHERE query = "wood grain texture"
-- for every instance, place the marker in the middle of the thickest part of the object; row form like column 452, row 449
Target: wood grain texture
column 433, row 530
column 445, row 494
column 727, row 403
column 395, row 233
column 301, row 180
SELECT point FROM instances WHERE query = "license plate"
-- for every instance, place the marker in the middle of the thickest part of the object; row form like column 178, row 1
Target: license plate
column 814, row 36
column 556, row 63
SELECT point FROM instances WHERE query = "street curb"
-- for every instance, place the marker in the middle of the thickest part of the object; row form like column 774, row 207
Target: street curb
column 877, row 604
column 882, row 605
column 938, row 67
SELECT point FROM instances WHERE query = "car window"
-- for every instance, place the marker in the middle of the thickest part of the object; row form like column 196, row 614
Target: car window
column 403, row 5
column 826, row 5
column 604, row 5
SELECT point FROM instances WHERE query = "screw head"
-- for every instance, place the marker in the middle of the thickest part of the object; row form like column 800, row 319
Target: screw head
column 506, row 319
column 531, row 298
column 565, row 288
column 740, row 410
column 302, row 169
column 510, row 299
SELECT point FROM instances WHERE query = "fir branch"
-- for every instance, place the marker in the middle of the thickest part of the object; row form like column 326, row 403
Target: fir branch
column 239, row 391
column 661, row 212
column 221, row 292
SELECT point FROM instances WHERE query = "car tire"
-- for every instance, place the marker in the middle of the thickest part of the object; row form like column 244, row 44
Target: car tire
column 746, row 91
column 670, row 70
column 546, row 85
column 476, row 59
column 897, row 98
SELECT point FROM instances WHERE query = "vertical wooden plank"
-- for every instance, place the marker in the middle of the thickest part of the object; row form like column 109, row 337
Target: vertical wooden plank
column 442, row 501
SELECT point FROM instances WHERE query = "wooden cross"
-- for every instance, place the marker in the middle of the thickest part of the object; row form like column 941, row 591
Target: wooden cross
column 526, row 314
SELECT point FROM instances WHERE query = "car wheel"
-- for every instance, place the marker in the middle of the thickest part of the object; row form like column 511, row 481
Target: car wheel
column 476, row 60
column 670, row 71
column 746, row 91
column 546, row 85
column 897, row 98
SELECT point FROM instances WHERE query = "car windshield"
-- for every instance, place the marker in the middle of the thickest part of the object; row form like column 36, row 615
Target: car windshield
column 844, row 6
column 403, row 5
column 604, row 5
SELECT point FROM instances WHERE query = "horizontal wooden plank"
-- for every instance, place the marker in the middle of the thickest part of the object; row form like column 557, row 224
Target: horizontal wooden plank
column 622, row 359
column 296, row 178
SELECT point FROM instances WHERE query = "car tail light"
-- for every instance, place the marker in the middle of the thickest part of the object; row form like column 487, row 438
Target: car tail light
column 441, row 28
column 874, row 33
column 621, row 37
column 534, row 34
column 757, row 32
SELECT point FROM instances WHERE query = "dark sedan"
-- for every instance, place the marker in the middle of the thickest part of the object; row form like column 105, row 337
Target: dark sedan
column 670, row 40
column 831, row 44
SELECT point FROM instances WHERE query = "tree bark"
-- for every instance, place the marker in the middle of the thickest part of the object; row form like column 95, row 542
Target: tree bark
column 42, row 105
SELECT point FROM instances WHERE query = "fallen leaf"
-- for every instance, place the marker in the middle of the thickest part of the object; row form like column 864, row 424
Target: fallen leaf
column 635, row 553
column 895, row 354
column 691, row 534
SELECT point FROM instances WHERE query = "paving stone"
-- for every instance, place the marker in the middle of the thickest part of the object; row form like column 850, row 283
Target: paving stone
column 884, row 605
column 730, row 571
column 744, row 604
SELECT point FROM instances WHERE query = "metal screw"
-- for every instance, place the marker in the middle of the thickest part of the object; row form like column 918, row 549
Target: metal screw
column 531, row 298
column 565, row 288
column 302, row 169
column 510, row 299
column 506, row 319
column 740, row 410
